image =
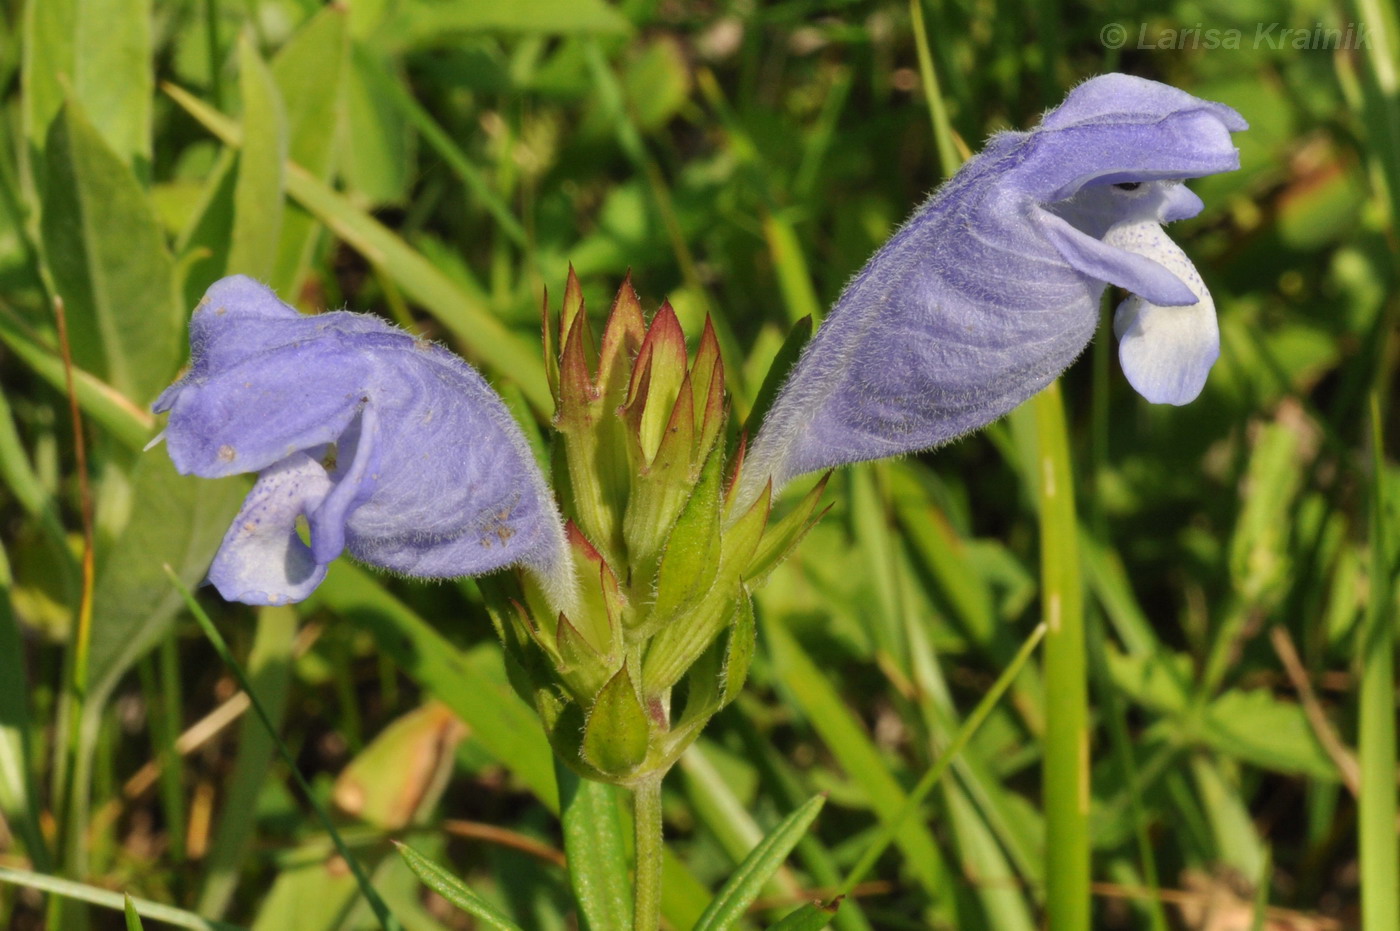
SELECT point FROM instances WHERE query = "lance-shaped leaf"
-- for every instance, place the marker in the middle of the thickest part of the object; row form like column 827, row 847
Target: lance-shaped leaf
column 780, row 539
column 109, row 261
column 690, row 561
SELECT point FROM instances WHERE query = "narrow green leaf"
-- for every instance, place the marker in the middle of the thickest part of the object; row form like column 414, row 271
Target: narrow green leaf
column 828, row 715
column 1066, row 765
column 427, row 24
column 595, row 842
column 376, row 903
column 733, row 898
column 454, row 890
column 463, row 313
column 1375, row 656
column 18, row 799
column 809, row 917
column 114, row 79
column 128, row 424
column 783, row 362
column 133, row 918
column 270, row 671
column 258, row 193
column 81, row 892
column 107, row 253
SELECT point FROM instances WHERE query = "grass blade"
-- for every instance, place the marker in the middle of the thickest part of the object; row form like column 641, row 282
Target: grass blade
column 482, row 335
column 81, row 892
column 1066, row 791
column 133, row 917
column 454, row 890
column 1380, row 867
column 733, row 898
column 381, row 911
column 270, row 669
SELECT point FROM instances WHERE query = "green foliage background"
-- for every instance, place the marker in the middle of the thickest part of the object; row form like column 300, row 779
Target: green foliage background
column 442, row 162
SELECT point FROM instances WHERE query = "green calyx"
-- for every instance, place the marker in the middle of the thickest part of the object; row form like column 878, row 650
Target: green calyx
column 663, row 557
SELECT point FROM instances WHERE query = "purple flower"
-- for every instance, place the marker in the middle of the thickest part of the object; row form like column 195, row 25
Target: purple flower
column 391, row 448
column 992, row 288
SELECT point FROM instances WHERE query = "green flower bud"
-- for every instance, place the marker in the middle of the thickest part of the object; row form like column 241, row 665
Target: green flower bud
column 663, row 559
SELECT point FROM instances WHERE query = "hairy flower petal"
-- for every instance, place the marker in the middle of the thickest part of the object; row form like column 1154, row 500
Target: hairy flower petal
column 425, row 472
column 992, row 287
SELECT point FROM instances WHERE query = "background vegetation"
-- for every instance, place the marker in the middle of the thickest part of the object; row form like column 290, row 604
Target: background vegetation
column 442, row 162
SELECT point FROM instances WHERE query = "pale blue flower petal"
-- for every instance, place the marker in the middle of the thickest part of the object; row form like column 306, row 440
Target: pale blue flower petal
column 1166, row 352
column 262, row 560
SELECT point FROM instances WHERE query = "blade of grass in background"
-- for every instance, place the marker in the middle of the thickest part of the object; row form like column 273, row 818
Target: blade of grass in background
column 1066, row 780
column 19, row 801
column 482, row 335
column 1376, row 815
column 381, row 911
column 455, row 891
column 81, row 892
column 270, row 672
column 743, row 885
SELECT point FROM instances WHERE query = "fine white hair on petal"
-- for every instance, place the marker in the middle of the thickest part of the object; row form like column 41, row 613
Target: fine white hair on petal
column 1166, row 352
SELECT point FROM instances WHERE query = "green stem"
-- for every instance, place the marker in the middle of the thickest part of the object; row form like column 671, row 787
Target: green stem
column 1066, row 732
column 646, row 811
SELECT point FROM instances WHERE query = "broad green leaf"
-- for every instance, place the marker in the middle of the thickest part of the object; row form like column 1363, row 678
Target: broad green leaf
column 109, row 261
column 310, row 73
column 204, row 246
column 115, row 79
column 376, row 143
column 310, row 896
column 48, row 49
column 594, row 820
column 393, row 777
column 733, row 898
column 177, row 520
column 258, row 192
column 455, row 891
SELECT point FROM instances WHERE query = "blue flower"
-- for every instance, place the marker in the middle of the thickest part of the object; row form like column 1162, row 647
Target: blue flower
column 390, row 447
column 991, row 289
